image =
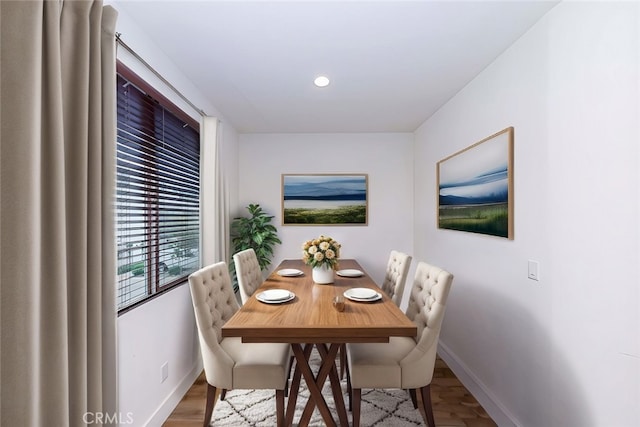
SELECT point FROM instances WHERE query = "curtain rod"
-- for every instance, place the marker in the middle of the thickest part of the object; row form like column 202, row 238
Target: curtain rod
column 165, row 81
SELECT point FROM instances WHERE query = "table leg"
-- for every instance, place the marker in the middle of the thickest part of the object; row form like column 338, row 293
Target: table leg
column 328, row 366
column 336, row 388
column 315, row 388
column 295, row 387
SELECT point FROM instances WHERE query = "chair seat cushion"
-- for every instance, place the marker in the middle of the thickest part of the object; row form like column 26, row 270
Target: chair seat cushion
column 258, row 365
column 377, row 365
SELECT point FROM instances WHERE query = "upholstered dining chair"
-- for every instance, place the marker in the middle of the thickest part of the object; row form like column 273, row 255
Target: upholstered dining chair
column 250, row 278
column 228, row 362
column 404, row 362
column 248, row 272
column 395, row 276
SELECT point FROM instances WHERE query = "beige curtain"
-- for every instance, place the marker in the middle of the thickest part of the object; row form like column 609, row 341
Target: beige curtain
column 57, row 253
column 214, row 203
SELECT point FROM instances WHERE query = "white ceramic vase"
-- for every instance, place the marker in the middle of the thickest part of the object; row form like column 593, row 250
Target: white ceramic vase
column 322, row 275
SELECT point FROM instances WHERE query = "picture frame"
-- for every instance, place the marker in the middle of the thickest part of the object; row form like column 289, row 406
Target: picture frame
column 325, row 199
column 475, row 187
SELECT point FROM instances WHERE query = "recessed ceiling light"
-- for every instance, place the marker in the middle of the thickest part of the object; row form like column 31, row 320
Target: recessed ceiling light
column 321, row 81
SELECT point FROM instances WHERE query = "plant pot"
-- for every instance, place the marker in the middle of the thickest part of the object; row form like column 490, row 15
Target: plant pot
column 322, row 275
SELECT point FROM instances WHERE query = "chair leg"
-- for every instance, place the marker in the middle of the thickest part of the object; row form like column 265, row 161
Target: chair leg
column 211, row 400
column 343, row 360
column 425, row 393
column 356, row 407
column 223, row 394
column 280, row 408
column 292, row 359
column 412, row 393
column 349, row 390
column 286, row 388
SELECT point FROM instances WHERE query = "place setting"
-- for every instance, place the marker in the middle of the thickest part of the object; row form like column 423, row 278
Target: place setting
column 289, row 272
column 275, row 296
column 362, row 295
column 350, row 272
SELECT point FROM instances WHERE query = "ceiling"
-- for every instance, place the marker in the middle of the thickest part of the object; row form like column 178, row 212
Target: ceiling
column 392, row 64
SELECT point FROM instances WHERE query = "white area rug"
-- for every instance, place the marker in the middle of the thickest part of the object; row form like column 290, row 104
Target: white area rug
column 257, row 407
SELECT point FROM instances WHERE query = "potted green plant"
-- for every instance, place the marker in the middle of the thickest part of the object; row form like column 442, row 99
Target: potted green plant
column 257, row 232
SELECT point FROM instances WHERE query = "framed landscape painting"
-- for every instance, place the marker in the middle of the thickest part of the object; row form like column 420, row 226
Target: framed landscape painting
column 475, row 187
column 324, row 199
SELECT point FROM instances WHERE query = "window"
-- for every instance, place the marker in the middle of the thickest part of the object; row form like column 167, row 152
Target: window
column 157, row 192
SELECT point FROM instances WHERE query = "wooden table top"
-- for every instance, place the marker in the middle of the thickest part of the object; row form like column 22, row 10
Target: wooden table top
column 311, row 318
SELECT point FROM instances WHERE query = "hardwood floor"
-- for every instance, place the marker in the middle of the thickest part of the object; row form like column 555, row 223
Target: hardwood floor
column 453, row 405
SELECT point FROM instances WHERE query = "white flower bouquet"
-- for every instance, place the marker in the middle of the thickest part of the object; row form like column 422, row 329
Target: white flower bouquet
column 321, row 251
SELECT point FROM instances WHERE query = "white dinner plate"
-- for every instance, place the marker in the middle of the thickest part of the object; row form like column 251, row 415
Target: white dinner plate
column 289, row 272
column 275, row 296
column 350, row 272
column 362, row 294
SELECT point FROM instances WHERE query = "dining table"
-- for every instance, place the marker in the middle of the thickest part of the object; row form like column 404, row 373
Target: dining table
column 306, row 317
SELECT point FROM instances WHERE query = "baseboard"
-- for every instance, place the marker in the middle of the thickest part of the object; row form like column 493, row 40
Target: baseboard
column 496, row 411
column 169, row 404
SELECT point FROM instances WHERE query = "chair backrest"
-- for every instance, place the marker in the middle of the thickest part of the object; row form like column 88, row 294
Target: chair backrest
column 426, row 307
column 248, row 272
column 429, row 297
column 214, row 302
column 396, row 276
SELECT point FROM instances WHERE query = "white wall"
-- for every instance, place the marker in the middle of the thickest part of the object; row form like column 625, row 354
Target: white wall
column 386, row 158
column 563, row 351
column 163, row 330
